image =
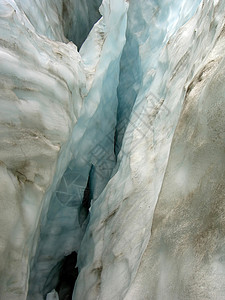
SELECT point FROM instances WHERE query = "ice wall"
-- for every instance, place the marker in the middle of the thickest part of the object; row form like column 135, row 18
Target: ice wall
column 150, row 24
column 63, row 19
column 40, row 103
column 42, row 85
column 119, row 266
column 136, row 117
column 184, row 258
column 61, row 228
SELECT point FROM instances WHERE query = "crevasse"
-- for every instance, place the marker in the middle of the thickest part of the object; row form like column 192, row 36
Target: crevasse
column 63, row 221
column 97, row 163
column 97, row 139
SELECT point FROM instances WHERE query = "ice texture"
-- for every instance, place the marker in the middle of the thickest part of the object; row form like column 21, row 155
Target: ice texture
column 137, row 118
column 118, row 258
column 52, row 296
column 61, row 224
column 40, row 103
column 150, row 24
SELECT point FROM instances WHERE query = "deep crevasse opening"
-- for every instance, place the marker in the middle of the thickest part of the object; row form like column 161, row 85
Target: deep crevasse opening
column 93, row 137
column 61, row 222
column 78, row 19
column 130, row 72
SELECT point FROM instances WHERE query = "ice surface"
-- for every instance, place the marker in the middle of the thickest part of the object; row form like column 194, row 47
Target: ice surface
column 40, row 103
column 150, row 24
column 72, row 19
column 186, row 249
column 61, row 230
column 120, row 223
column 52, row 296
column 137, row 118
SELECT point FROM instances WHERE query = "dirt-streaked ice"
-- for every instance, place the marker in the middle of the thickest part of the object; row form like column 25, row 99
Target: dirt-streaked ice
column 137, row 115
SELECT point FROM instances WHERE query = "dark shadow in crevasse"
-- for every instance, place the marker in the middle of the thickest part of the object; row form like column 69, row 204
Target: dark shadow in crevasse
column 67, row 277
column 68, row 271
column 79, row 16
column 86, row 202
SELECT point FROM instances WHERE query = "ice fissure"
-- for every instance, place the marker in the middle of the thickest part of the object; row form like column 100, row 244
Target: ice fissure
column 112, row 149
column 67, row 277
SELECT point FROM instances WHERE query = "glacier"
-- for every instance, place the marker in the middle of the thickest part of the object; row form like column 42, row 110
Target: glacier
column 112, row 149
